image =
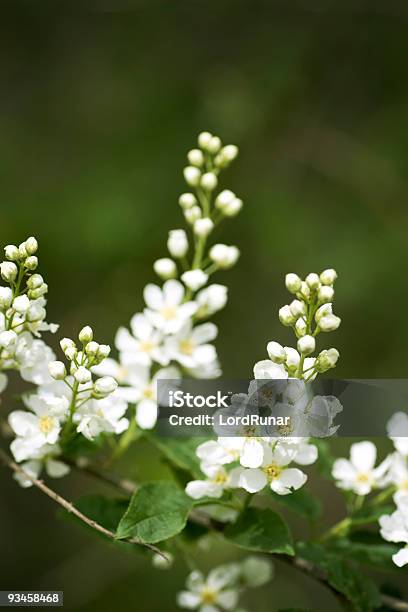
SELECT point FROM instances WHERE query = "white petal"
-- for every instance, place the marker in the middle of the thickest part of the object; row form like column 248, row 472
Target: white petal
column 267, row 369
column 204, row 333
column 153, row 296
column 306, row 454
column 203, row 488
column 253, row 480
column 228, row 599
column 125, row 342
column 189, row 600
column 363, row 456
column 56, row 469
column 252, row 454
column 146, row 414
column 401, row 557
column 140, row 326
column 23, row 423
column 173, row 292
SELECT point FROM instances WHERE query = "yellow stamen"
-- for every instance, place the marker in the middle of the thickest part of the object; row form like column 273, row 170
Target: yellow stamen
column 208, row 596
column 186, row 347
column 46, row 424
column 168, row 312
column 272, row 471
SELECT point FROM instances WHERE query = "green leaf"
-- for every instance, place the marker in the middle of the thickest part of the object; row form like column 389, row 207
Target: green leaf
column 157, row 511
column 301, row 502
column 261, row 530
column 359, row 589
column 368, row 547
column 105, row 511
column 181, row 453
column 325, row 458
column 370, row 515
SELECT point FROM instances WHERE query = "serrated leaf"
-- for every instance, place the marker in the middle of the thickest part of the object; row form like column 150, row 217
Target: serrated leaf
column 157, row 511
column 262, row 530
column 301, row 502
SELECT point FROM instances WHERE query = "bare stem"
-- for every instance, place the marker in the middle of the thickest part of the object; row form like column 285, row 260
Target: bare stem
column 68, row 506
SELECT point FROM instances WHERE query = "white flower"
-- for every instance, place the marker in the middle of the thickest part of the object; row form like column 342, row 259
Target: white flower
column 224, row 256
column 202, row 227
column 177, row 243
column 57, row 370
column 195, row 157
column 297, row 308
column 143, row 345
column 306, row 344
column 285, row 316
column 165, row 268
column 33, row 357
column 190, row 345
column 218, row 479
column 224, row 199
column 192, row 214
column 213, row 593
column 221, row 451
column 192, row 175
column 209, row 181
column 6, row 297
column 187, row 200
column 82, row 375
column 8, row 338
column 398, row 476
column 276, row 352
column 326, row 360
column 328, row 277
column 44, row 457
column 359, row 474
column 268, row 369
column 8, row 270
column 105, row 386
column 312, row 280
column 12, row 252
column 3, row 382
column 274, row 471
column 394, row 528
column 211, row 300
column 101, row 415
column 325, row 294
column 397, row 429
column 256, row 571
column 329, row 323
column 204, row 139
column 86, row 334
column 165, row 307
column 194, row 279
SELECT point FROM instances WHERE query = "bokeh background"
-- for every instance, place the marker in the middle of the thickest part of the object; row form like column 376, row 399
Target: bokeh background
column 100, row 102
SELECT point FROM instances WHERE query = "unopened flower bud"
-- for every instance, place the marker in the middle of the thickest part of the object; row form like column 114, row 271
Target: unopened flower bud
column 292, row 358
column 224, row 256
column 192, row 214
column 57, row 370
column 300, row 326
column 22, row 251
column 297, row 308
column 304, row 290
column 214, row 145
column 194, row 279
column 233, row 208
column 328, row 277
column 6, row 297
column 276, row 352
column 31, row 263
column 192, row 175
column 36, row 293
column 82, row 375
column 306, row 345
column 329, row 323
column 322, row 311
column 325, row 294
column 226, row 155
column 326, row 360
column 104, row 351
column 224, row 198
column 293, row 282
column 209, row 181
column 195, row 157
column 204, row 140
column 71, row 352
column 31, row 245
column 92, row 348
column 286, row 317
column 187, row 200
column 202, row 227
column 312, row 281
column 86, row 334
column 177, row 243
column 21, row 304
column 8, row 338
column 35, row 313
column 11, row 252
column 8, row 271
column 165, row 268
column 66, row 343
column 210, row 300
column 105, row 386
column 35, row 281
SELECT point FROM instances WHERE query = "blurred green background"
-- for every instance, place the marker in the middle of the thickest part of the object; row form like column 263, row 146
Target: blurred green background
column 100, row 103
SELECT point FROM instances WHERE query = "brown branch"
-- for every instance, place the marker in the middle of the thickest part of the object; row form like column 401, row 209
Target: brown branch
column 68, row 506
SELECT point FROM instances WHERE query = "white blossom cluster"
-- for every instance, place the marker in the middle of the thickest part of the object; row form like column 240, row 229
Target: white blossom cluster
column 22, row 315
column 169, row 337
column 360, row 475
column 68, row 404
column 221, row 589
column 258, row 460
column 309, row 314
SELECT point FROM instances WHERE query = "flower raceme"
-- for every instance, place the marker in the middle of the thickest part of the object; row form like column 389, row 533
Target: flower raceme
column 172, row 337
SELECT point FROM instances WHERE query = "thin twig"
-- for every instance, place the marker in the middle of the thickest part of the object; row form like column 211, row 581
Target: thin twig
column 199, row 518
column 124, row 485
column 68, row 506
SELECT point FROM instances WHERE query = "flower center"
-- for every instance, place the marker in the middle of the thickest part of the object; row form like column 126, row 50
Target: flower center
column 146, row 346
column 272, row 471
column 46, row 424
column 285, row 430
column 220, row 477
column 404, row 485
column 186, row 347
column 208, row 596
column 148, row 393
column 168, row 312
column 363, row 477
